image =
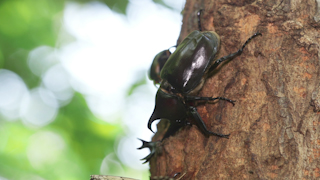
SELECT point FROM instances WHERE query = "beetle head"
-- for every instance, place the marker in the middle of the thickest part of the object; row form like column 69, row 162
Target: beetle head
column 168, row 106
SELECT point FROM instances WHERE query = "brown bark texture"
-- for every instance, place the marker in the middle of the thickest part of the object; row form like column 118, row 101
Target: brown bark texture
column 274, row 126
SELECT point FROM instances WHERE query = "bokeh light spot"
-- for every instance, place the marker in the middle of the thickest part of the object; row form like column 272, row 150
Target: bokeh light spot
column 44, row 149
column 41, row 59
column 56, row 79
column 111, row 166
column 39, row 108
column 129, row 154
column 12, row 90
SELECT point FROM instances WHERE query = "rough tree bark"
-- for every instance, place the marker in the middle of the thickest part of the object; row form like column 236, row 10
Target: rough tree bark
column 274, row 125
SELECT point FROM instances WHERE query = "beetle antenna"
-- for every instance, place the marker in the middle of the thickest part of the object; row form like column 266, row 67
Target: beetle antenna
column 199, row 19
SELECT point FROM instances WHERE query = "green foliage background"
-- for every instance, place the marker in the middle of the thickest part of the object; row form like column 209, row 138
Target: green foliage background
column 25, row 25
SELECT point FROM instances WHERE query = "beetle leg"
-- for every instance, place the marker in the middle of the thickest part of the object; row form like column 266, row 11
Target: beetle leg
column 151, row 146
column 200, row 124
column 232, row 55
column 195, row 98
column 199, row 19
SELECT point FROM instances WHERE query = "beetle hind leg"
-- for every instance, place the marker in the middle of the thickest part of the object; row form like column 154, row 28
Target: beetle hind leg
column 233, row 55
column 200, row 124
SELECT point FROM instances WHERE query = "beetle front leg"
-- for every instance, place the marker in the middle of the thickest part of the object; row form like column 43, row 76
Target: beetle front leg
column 195, row 98
column 233, row 55
column 152, row 148
column 200, row 124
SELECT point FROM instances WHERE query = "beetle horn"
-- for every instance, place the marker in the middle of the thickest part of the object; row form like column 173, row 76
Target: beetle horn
column 157, row 109
column 167, row 106
column 153, row 118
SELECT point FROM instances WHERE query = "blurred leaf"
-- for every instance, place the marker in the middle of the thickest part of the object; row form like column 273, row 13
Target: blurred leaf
column 1, row 59
column 119, row 6
column 75, row 144
column 86, row 141
column 13, row 152
column 90, row 138
column 141, row 80
column 162, row 3
column 24, row 26
column 18, row 63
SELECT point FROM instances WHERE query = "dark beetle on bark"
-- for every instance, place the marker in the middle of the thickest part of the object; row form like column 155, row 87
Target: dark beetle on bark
column 182, row 77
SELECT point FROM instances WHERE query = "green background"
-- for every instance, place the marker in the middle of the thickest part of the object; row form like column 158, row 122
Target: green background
column 24, row 26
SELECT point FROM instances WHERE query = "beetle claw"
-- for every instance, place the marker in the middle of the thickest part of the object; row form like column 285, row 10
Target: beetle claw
column 152, row 148
column 232, row 102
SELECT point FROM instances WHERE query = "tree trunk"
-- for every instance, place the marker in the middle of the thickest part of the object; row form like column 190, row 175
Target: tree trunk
column 274, row 126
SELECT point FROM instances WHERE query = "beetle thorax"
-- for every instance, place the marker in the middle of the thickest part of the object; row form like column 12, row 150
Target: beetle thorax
column 169, row 89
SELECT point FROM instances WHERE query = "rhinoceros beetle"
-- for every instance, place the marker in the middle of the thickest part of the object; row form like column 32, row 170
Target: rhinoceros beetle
column 183, row 76
column 161, row 58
